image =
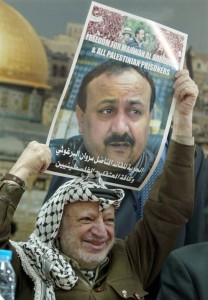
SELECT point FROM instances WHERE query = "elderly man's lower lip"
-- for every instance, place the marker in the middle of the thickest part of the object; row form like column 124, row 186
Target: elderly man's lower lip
column 96, row 246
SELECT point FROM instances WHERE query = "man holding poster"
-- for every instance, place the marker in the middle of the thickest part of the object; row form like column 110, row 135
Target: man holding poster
column 73, row 253
column 120, row 134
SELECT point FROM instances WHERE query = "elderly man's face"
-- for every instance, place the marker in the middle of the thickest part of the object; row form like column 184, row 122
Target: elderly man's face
column 115, row 124
column 87, row 235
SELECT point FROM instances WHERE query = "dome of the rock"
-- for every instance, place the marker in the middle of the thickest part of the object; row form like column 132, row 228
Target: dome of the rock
column 23, row 60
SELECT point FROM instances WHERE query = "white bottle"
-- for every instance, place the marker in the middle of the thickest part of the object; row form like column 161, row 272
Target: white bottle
column 7, row 276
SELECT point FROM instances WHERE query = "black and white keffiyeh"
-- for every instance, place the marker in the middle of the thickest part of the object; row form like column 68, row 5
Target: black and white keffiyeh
column 40, row 256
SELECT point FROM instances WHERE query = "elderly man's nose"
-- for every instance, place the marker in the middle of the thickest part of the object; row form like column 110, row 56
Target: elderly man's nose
column 99, row 228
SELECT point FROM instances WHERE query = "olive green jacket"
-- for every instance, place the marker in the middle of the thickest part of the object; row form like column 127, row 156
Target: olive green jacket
column 133, row 263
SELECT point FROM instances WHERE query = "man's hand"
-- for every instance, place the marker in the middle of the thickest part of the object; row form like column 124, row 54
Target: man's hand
column 34, row 159
column 186, row 93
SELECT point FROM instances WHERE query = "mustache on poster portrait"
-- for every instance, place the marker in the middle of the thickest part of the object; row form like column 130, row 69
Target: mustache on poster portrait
column 115, row 138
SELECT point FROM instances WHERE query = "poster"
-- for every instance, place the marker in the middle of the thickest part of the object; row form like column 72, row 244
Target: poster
column 116, row 108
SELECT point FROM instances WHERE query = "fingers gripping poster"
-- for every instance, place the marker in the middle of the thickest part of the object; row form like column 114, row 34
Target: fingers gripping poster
column 115, row 112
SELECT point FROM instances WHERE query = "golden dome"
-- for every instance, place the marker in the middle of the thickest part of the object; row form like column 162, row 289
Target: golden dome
column 22, row 56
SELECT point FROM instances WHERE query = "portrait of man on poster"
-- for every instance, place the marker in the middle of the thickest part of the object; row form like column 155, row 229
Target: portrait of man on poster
column 113, row 110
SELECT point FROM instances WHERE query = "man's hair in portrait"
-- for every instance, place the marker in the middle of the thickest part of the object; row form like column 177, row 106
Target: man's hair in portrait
column 111, row 67
column 137, row 30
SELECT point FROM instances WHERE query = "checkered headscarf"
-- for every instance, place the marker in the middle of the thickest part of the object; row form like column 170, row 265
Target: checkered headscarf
column 40, row 256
